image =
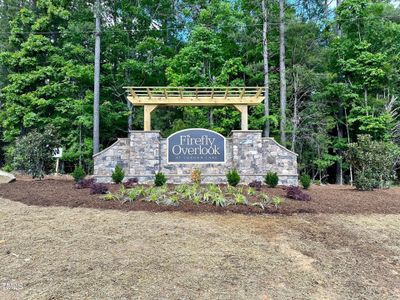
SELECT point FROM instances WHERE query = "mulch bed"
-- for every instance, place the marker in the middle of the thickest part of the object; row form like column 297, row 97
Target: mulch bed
column 324, row 199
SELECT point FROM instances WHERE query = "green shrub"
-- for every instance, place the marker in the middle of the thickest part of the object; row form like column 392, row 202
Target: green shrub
column 160, row 179
column 34, row 152
column 272, row 179
column 8, row 168
column 118, row 174
column 305, row 181
column 78, row 174
column 233, row 177
column 373, row 162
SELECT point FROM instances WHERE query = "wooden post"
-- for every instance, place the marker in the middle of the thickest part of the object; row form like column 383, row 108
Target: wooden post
column 147, row 116
column 244, row 116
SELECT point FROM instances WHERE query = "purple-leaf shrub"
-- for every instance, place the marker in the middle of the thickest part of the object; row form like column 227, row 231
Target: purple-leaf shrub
column 295, row 193
column 256, row 184
column 98, row 188
column 131, row 182
column 85, row 183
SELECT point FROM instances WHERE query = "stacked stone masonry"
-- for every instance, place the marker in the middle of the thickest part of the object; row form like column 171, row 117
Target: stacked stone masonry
column 144, row 154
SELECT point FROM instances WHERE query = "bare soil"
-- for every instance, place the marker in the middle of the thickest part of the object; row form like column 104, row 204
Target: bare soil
column 325, row 199
column 81, row 253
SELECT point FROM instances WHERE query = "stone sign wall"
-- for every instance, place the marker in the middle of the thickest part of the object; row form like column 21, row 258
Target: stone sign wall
column 145, row 153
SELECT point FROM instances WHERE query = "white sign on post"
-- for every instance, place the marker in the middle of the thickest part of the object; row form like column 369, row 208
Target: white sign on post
column 57, row 152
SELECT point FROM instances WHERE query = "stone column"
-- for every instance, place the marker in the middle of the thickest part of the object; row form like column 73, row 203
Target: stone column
column 247, row 152
column 144, row 156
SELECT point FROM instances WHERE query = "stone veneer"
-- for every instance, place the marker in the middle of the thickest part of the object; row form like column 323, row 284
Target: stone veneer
column 144, row 154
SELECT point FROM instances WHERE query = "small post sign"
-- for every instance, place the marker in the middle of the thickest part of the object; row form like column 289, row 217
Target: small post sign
column 57, row 153
column 196, row 145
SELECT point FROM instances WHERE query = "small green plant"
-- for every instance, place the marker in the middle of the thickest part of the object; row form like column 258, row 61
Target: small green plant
column 135, row 193
column 264, row 202
column 109, row 197
column 305, row 181
column 78, row 174
column 272, row 179
column 240, row 199
column 8, row 168
column 233, row 177
column 277, row 201
column 219, row 200
column 196, row 199
column 118, row 174
column 251, row 191
column 160, row 179
column 196, row 176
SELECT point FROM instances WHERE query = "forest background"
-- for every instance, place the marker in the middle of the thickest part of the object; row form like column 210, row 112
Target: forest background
column 331, row 68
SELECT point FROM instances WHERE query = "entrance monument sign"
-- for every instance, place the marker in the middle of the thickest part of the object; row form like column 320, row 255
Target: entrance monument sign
column 196, row 146
column 145, row 152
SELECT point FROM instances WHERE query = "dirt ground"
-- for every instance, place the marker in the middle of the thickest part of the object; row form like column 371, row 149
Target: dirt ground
column 85, row 253
column 325, row 199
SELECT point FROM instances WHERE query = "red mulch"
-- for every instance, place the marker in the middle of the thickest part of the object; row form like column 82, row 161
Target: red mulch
column 324, row 199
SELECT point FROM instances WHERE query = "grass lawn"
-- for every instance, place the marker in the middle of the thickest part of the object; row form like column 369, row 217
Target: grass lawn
column 86, row 253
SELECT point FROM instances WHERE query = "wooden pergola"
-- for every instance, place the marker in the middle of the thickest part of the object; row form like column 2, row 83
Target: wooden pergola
column 151, row 97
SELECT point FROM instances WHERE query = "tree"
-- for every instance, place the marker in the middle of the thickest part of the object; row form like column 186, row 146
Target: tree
column 282, row 71
column 266, row 71
column 96, row 98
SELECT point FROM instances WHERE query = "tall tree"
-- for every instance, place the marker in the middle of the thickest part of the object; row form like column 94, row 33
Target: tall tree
column 266, row 68
column 282, row 71
column 96, row 98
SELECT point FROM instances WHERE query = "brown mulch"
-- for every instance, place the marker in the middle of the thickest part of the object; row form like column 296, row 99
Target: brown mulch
column 325, row 199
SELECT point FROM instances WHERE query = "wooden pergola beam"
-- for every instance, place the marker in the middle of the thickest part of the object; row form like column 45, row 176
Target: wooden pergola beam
column 152, row 97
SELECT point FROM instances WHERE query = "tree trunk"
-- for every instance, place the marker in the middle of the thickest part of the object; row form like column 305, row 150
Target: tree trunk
column 282, row 71
column 295, row 110
column 96, row 100
column 348, row 142
column 338, row 30
column 266, row 68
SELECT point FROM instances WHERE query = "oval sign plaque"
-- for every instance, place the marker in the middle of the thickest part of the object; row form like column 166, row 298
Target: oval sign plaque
column 196, row 145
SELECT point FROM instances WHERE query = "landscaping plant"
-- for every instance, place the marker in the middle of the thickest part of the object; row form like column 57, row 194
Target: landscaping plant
column 295, row 193
column 277, row 201
column 160, row 179
column 272, row 179
column 256, row 184
column 85, row 183
column 305, row 181
column 118, row 174
column 131, row 182
column 373, row 162
column 78, row 174
column 233, row 177
column 98, row 188
column 34, row 151
column 196, row 176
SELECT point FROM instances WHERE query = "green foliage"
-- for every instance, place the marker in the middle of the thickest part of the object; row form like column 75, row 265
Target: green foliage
column 160, row 179
column 8, row 168
column 373, row 162
column 78, row 174
column 240, row 199
column 338, row 85
column 233, row 177
column 118, row 175
column 34, row 151
column 305, row 181
column 271, row 179
column 277, row 201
